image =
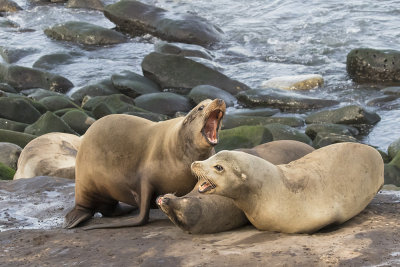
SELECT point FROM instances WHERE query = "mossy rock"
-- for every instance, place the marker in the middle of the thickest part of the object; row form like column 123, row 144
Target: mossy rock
column 18, row 109
column 12, row 125
column 232, row 121
column 20, row 139
column 6, row 173
column 133, row 84
column 117, row 103
column 149, row 116
column 102, row 88
column 313, row 129
column 394, row 148
column 78, row 120
column 55, row 102
column 284, row 132
column 39, row 93
column 164, row 103
column 324, row 139
column 48, row 123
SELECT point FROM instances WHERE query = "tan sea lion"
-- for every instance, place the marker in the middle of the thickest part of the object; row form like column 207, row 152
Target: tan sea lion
column 327, row 186
column 197, row 213
column 51, row 154
column 123, row 158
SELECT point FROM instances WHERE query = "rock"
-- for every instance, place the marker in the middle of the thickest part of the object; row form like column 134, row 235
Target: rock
column 62, row 112
column 52, row 154
column 25, row 78
column 163, row 103
column 48, row 123
column 11, row 54
column 325, row 138
column 38, row 94
column 9, row 154
column 117, row 103
column 7, row 88
column 18, row 109
column 6, row 23
column 282, row 99
column 384, row 155
column 394, row 148
column 103, row 88
column 78, row 120
column 350, row 115
column 149, row 115
column 136, row 18
column 202, row 92
column 49, row 62
column 20, row 139
column 242, row 137
column 57, row 102
column 183, row 50
column 232, row 120
column 171, row 71
column 9, row 6
column 88, row 4
column 260, row 112
column 392, row 171
column 101, row 110
column 6, row 173
column 391, row 91
column 84, row 33
column 385, row 102
column 313, row 129
column 284, row 132
column 134, row 85
column 376, row 66
column 298, row 82
column 12, row 125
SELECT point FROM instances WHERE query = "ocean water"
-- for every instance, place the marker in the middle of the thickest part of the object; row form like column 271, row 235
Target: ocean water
column 262, row 40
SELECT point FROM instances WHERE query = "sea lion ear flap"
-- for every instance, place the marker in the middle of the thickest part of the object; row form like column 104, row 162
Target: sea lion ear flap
column 243, row 176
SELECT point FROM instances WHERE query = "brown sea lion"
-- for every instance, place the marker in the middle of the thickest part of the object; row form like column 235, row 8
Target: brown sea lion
column 327, row 186
column 197, row 213
column 123, row 158
column 51, row 154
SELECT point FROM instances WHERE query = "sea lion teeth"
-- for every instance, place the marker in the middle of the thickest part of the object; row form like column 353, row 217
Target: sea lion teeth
column 211, row 126
column 204, row 187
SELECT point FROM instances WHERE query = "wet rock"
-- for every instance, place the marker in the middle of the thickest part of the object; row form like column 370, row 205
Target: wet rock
column 6, row 23
column 84, row 33
column 12, row 54
column 384, row 155
column 48, row 123
column 38, row 94
column 284, row 132
column 26, row 78
column 385, row 102
column 57, row 102
column 325, row 138
column 392, row 171
column 350, row 115
column 375, row 66
column 243, row 137
column 12, row 125
column 171, row 71
column 134, row 85
column 20, row 139
column 7, row 88
column 49, row 62
column 136, row 18
column 9, row 6
column 78, row 120
column 9, row 154
column 202, row 92
column 391, row 91
column 6, row 173
column 101, row 110
column 103, row 88
column 313, row 129
column 87, row 4
column 183, row 50
column 149, row 115
column 18, row 109
column 298, row 82
column 284, row 100
column 117, row 103
column 260, row 112
column 233, row 120
column 163, row 103
column 394, row 148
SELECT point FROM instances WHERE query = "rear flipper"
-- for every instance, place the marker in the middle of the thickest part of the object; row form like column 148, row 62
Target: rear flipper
column 76, row 216
column 117, row 210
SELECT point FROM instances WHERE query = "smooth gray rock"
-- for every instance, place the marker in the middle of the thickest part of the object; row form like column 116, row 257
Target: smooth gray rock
column 325, row 139
column 9, row 6
column 202, row 92
column 57, row 102
column 12, row 54
column 78, row 120
column 7, row 88
column 9, row 154
column 87, row 4
column 12, row 125
column 20, row 139
column 102, row 88
column 313, row 129
column 260, row 112
column 48, row 123
column 18, row 109
column 394, row 90
column 233, row 120
column 394, row 148
column 133, row 84
column 183, row 50
column 163, row 103
column 284, row 132
column 38, row 94
column 117, row 103
column 49, row 62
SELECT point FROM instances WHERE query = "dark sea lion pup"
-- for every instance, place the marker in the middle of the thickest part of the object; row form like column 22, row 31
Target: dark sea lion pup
column 197, row 213
column 123, row 158
column 328, row 186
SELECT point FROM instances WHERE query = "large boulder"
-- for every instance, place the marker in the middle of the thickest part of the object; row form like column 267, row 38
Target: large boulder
column 9, row 6
column 313, row 129
column 371, row 65
column 57, row 102
column 9, row 154
column 326, row 138
column 202, row 92
column 298, row 82
column 48, row 62
column 25, row 78
column 117, row 103
column 171, row 71
column 134, row 85
column 48, row 123
column 282, row 99
column 102, row 88
column 12, row 125
column 20, row 139
column 233, row 120
column 84, row 33
column 13, row 54
column 18, row 109
column 78, row 120
column 164, row 103
column 136, row 18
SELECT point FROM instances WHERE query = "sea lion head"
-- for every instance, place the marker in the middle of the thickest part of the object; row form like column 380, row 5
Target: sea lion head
column 202, row 123
column 226, row 173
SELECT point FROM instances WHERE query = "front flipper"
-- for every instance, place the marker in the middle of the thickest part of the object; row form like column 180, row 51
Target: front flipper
column 146, row 193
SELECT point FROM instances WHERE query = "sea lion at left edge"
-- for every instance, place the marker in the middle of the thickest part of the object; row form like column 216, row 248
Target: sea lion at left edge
column 328, row 186
column 123, row 158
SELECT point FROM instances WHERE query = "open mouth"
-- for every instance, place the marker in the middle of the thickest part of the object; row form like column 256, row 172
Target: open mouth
column 206, row 186
column 210, row 129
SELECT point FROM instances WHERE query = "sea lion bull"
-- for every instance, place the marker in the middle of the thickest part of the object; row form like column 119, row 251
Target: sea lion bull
column 197, row 213
column 123, row 158
column 327, row 186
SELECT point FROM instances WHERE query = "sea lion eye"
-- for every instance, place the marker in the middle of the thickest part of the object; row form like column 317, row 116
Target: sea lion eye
column 201, row 108
column 219, row 168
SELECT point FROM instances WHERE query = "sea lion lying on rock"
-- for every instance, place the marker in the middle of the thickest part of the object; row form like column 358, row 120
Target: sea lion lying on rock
column 123, row 158
column 51, row 154
column 327, row 186
column 197, row 213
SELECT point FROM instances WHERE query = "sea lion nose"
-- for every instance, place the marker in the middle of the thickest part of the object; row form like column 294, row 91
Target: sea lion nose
column 195, row 164
column 220, row 101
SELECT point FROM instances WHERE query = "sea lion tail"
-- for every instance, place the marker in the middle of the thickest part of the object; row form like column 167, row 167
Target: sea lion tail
column 76, row 216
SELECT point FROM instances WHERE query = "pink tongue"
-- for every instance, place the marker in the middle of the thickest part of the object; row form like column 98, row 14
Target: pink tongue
column 204, row 187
